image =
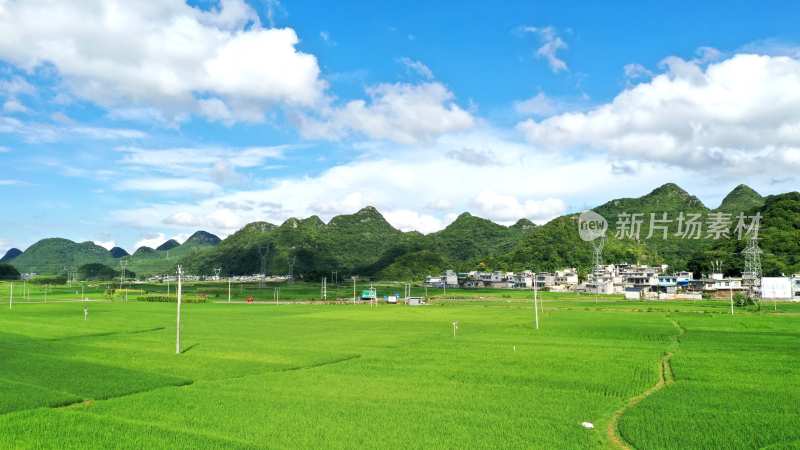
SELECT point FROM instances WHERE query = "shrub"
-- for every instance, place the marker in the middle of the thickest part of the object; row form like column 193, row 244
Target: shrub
column 162, row 298
column 8, row 272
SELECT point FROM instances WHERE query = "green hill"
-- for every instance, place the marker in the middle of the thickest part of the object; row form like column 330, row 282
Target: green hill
column 779, row 240
column 470, row 239
column 118, row 252
column 10, row 254
column 169, row 245
column 557, row 243
column 202, row 238
column 164, row 259
column 741, row 199
column 414, row 266
column 54, row 255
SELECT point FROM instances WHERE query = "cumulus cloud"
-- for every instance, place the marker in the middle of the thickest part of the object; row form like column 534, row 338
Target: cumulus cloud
column 402, row 113
column 551, row 44
column 409, row 220
column 414, row 195
column 737, row 115
column 508, row 208
column 177, row 58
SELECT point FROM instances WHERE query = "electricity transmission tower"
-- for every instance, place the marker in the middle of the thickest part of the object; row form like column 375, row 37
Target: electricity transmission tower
column 751, row 276
column 597, row 247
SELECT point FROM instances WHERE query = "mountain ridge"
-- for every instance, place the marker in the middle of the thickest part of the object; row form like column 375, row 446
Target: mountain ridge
column 365, row 243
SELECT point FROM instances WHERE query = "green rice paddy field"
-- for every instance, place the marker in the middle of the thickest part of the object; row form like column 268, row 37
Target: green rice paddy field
column 647, row 375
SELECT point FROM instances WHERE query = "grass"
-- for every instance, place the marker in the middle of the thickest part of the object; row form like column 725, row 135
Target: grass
column 351, row 376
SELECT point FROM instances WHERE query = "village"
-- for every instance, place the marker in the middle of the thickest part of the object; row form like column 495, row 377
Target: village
column 634, row 281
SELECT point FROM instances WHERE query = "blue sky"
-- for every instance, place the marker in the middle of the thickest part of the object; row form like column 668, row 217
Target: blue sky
column 129, row 124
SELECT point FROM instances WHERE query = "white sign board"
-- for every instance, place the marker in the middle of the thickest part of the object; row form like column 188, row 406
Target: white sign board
column 776, row 288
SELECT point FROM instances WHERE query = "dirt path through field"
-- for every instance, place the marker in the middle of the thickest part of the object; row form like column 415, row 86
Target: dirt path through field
column 665, row 378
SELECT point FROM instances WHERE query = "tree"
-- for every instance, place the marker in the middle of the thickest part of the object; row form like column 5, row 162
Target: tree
column 8, row 272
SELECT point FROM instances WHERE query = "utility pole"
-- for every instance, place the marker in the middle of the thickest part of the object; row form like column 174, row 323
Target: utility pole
column 324, row 290
column 11, row 297
column 178, row 321
column 263, row 252
column 354, row 290
column 123, row 263
column 730, row 289
column 229, row 289
column 535, row 301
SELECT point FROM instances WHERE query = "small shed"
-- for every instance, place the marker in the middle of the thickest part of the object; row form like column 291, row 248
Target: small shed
column 415, row 301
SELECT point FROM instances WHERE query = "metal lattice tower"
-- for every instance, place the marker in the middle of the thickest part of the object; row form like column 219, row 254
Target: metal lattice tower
column 751, row 275
column 597, row 246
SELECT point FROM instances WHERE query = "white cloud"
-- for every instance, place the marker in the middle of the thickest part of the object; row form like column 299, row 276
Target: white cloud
column 403, row 113
column 773, row 47
column 216, row 164
column 476, row 156
column 335, row 205
column 151, row 240
column 108, row 245
column 409, row 220
column 417, row 187
column 4, row 149
column 16, row 86
column 542, row 105
column 175, row 186
column 417, row 67
column 9, row 182
column 176, row 57
column 326, row 38
column 739, row 115
column 551, row 44
column 42, row 132
column 508, row 208
column 13, row 105
column 636, row 71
